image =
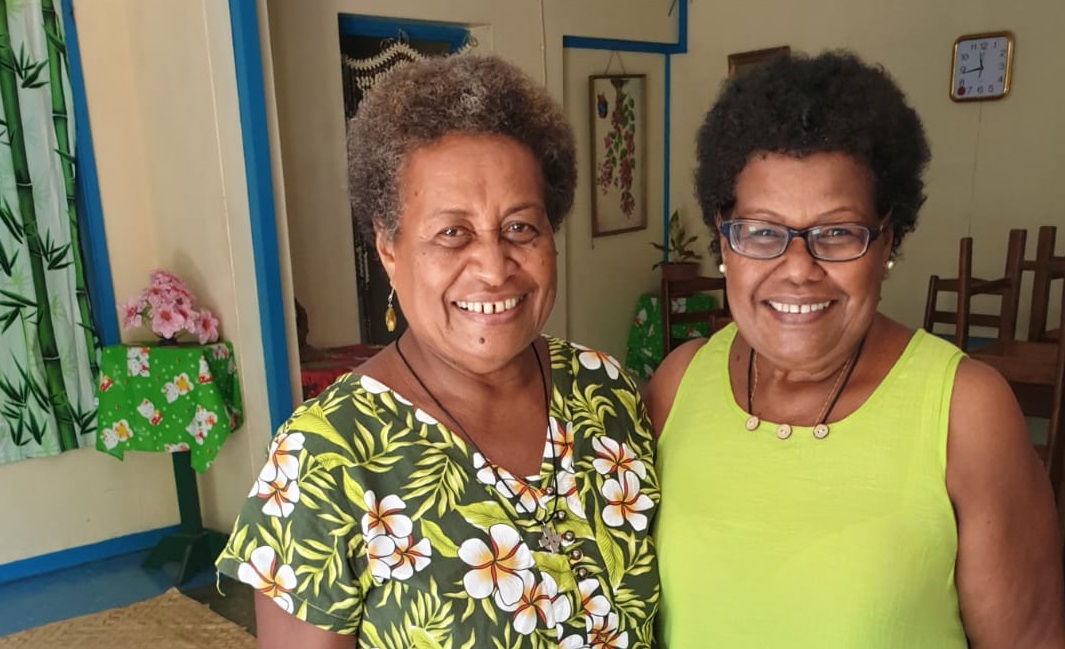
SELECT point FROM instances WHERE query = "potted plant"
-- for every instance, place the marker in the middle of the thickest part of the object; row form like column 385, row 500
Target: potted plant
column 679, row 260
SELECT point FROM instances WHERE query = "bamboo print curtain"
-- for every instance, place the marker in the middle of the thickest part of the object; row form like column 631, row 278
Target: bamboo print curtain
column 47, row 344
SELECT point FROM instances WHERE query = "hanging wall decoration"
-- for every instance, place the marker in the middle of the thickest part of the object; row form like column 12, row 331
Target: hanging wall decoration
column 619, row 172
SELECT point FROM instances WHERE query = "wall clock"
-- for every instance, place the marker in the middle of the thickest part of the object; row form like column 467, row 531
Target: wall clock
column 981, row 66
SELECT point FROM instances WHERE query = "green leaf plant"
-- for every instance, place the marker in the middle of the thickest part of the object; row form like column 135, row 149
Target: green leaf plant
column 678, row 249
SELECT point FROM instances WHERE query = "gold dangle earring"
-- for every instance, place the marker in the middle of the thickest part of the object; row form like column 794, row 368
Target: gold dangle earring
column 390, row 313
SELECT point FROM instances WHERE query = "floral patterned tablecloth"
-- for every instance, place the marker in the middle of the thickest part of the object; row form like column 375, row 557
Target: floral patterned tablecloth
column 644, row 352
column 170, row 399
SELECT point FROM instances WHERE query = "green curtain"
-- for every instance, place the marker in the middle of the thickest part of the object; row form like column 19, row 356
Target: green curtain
column 48, row 347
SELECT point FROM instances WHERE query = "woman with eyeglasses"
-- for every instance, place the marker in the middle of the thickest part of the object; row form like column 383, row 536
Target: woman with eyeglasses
column 831, row 478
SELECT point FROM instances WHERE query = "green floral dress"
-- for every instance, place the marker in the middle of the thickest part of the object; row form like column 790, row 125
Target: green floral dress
column 371, row 518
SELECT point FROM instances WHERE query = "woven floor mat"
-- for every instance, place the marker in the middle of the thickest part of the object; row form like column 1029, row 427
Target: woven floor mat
column 169, row 621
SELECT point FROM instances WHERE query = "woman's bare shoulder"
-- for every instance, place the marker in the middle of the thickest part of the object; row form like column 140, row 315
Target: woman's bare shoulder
column 662, row 388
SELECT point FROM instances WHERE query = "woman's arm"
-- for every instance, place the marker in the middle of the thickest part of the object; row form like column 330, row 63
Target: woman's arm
column 277, row 629
column 1009, row 571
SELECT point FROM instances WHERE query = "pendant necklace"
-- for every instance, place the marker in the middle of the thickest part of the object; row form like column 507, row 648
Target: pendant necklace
column 550, row 539
column 821, row 427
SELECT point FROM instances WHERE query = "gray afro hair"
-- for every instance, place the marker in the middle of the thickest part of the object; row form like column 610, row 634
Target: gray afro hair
column 419, row 104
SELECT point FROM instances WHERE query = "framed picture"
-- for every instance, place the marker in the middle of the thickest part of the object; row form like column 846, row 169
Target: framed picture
column 743, row 62
column 619, row 140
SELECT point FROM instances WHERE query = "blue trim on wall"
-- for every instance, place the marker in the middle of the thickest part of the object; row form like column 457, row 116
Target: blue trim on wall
column 46, row 563
column 648, row 47
column 90, row 213
column 376, row 27
column 252, row 101
column 666, row 147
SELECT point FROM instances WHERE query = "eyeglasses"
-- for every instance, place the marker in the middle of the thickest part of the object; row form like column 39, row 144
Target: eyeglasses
column 833, row 242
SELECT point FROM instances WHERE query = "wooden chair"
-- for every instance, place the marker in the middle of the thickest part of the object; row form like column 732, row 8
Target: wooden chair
column 1036, row 372
column 1035, row 367
column 1007, row 288
column 1046, row 268
column 716, row 317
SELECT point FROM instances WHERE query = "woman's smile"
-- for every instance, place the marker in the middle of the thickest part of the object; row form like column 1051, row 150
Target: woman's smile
column 490, row 308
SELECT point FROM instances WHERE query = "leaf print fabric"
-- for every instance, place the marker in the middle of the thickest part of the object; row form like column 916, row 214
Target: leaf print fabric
column 369, row 517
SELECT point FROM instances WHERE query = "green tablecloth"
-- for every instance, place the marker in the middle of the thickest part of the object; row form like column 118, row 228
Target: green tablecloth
column 644, row 352
column 170, row 399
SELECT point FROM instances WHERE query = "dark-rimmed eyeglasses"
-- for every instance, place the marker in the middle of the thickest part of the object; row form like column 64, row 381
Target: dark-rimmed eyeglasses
column 832, row 242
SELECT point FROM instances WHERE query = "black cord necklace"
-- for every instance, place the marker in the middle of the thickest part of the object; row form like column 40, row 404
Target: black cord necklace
column 549, row 538
column 820, row 428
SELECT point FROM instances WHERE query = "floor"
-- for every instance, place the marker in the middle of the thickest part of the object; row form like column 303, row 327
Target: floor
column 109, row 584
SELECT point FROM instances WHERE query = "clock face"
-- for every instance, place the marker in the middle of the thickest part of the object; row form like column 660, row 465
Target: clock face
column 981, row 67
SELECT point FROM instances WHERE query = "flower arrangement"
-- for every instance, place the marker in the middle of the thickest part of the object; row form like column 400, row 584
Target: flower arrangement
column 166, row 307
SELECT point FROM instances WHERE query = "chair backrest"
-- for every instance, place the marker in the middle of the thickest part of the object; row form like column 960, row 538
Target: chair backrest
column 1046, row 268
column 683, row 317
column 962, row 318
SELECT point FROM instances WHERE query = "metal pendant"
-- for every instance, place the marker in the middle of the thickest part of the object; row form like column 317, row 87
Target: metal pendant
column 550, row 540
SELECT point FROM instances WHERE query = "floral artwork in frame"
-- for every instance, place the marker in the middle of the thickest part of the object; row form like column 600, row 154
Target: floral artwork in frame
column 618, row 131
column 741, row 63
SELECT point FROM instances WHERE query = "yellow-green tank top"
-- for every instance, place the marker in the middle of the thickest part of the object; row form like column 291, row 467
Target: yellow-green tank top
column 848, row 542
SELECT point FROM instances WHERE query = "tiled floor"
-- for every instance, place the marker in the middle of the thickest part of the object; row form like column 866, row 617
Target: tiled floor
column 109, row 584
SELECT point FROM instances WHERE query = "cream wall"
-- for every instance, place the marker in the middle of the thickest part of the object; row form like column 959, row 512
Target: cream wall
column 607, row 274
column 995, row 165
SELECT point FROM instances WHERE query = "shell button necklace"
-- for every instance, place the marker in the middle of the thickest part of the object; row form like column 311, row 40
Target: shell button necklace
column 821, row 427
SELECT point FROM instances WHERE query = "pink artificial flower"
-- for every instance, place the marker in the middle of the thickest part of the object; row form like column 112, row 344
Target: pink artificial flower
column 131, row 312
column 204, row 325
column 165, row 278
column 167, row 321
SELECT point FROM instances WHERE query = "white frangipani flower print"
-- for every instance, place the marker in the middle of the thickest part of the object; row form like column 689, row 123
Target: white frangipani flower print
column 281, row 498
column 560, row 443
column 264, row 574
column 434, row 525
column 384, row 517
column 283, row 465
column 391, row 558
column 500, row 566
column 380, row 553
column 540, row 602
column 567, row 489
column 592, row 604
column 410, row 558
column 603, row 633
column 593, row 360
column 625, row 502
column 373, row 386
column 486, row 473
column 615, row 457
column 506, row 484
column 425, row 417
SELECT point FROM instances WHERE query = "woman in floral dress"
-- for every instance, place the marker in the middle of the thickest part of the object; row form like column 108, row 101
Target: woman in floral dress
column 475, row 484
